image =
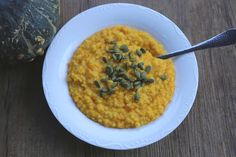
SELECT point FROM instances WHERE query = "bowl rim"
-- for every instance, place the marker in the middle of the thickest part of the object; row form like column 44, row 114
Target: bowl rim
column 108, row 146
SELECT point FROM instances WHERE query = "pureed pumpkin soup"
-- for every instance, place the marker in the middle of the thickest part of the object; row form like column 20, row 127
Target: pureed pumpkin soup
column 116, row 80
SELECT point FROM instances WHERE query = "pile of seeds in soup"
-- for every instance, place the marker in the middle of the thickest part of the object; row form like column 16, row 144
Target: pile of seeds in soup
column 116, row 80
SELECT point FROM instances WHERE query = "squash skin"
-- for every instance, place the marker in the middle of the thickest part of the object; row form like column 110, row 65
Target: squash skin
column 26, row 28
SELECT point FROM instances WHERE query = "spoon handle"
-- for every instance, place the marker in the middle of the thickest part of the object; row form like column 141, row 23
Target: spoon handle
column 223, row 39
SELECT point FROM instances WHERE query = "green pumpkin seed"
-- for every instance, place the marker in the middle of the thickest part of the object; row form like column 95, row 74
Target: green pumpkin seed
column 123, row 81
column 114, row 57
column 137, row 74
column 97, row 84
column 136, row 96
column 149, row 80
column 113, row 77
column 131, row 85
column 124, row 48
column 117, row 56
column 118, row 79
column 139, row 52
column 114, row 84
column 121, row 74
column 137, row 84
column 113, row 42
column 141, row 65
column 133, row 66
column 142, row 84
column 143, row 50
column 109, row 70
column 163, row 77
column 110, row 91
column 143, row 75
column 148, row 68
column 104, row 59
column 121, row 69
column 124, row 84
column 124, row 57
column 126, row 77
column 104, row 80
column 104, row 90
column 101, row 94
column 132, row 58
column 114, row 49
column 126, row 66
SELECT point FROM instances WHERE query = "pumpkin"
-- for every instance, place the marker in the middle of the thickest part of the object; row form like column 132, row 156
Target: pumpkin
column 26, row 28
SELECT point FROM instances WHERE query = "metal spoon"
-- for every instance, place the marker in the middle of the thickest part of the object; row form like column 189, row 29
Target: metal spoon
column 223, row 39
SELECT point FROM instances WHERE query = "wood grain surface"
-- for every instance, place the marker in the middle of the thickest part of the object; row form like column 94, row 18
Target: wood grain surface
column 28, row 129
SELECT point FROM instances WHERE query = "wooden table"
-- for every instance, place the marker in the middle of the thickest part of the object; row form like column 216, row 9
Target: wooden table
column 28, row 128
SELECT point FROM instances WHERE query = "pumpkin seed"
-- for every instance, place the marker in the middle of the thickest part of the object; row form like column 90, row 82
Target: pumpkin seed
column 137, row 84
column 142, row 50
column 142, row 84
column 104, row 59
column 148, row 68
column 132, row 58
column 163, row 77
column 133, row 66
column 97, row 84
column 114, row 84
column 110, row 91
column 141, row 65
column 136, row 96
column 126, row 77
column 139, row 52
column 114, row 49
column 143, row 75
column 104, row 90
column 149, row 80
column 126, row 66
column 125, row 84
column 137, row 74
column 109, row 70
column 121, row 74
column 131, row 85
column 104, row 80
column 124, row 57
column 114, row 57
column 113, row 77
column 113, row 42
column 101, row 94
column 124, row 48
column 118, row 79
column 121, row 70
column 117, row 56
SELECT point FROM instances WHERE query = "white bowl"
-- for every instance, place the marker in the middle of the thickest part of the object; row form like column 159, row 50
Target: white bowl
column 87, row 23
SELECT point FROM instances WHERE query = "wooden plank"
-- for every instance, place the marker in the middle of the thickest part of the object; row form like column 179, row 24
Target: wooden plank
column 28, row 129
